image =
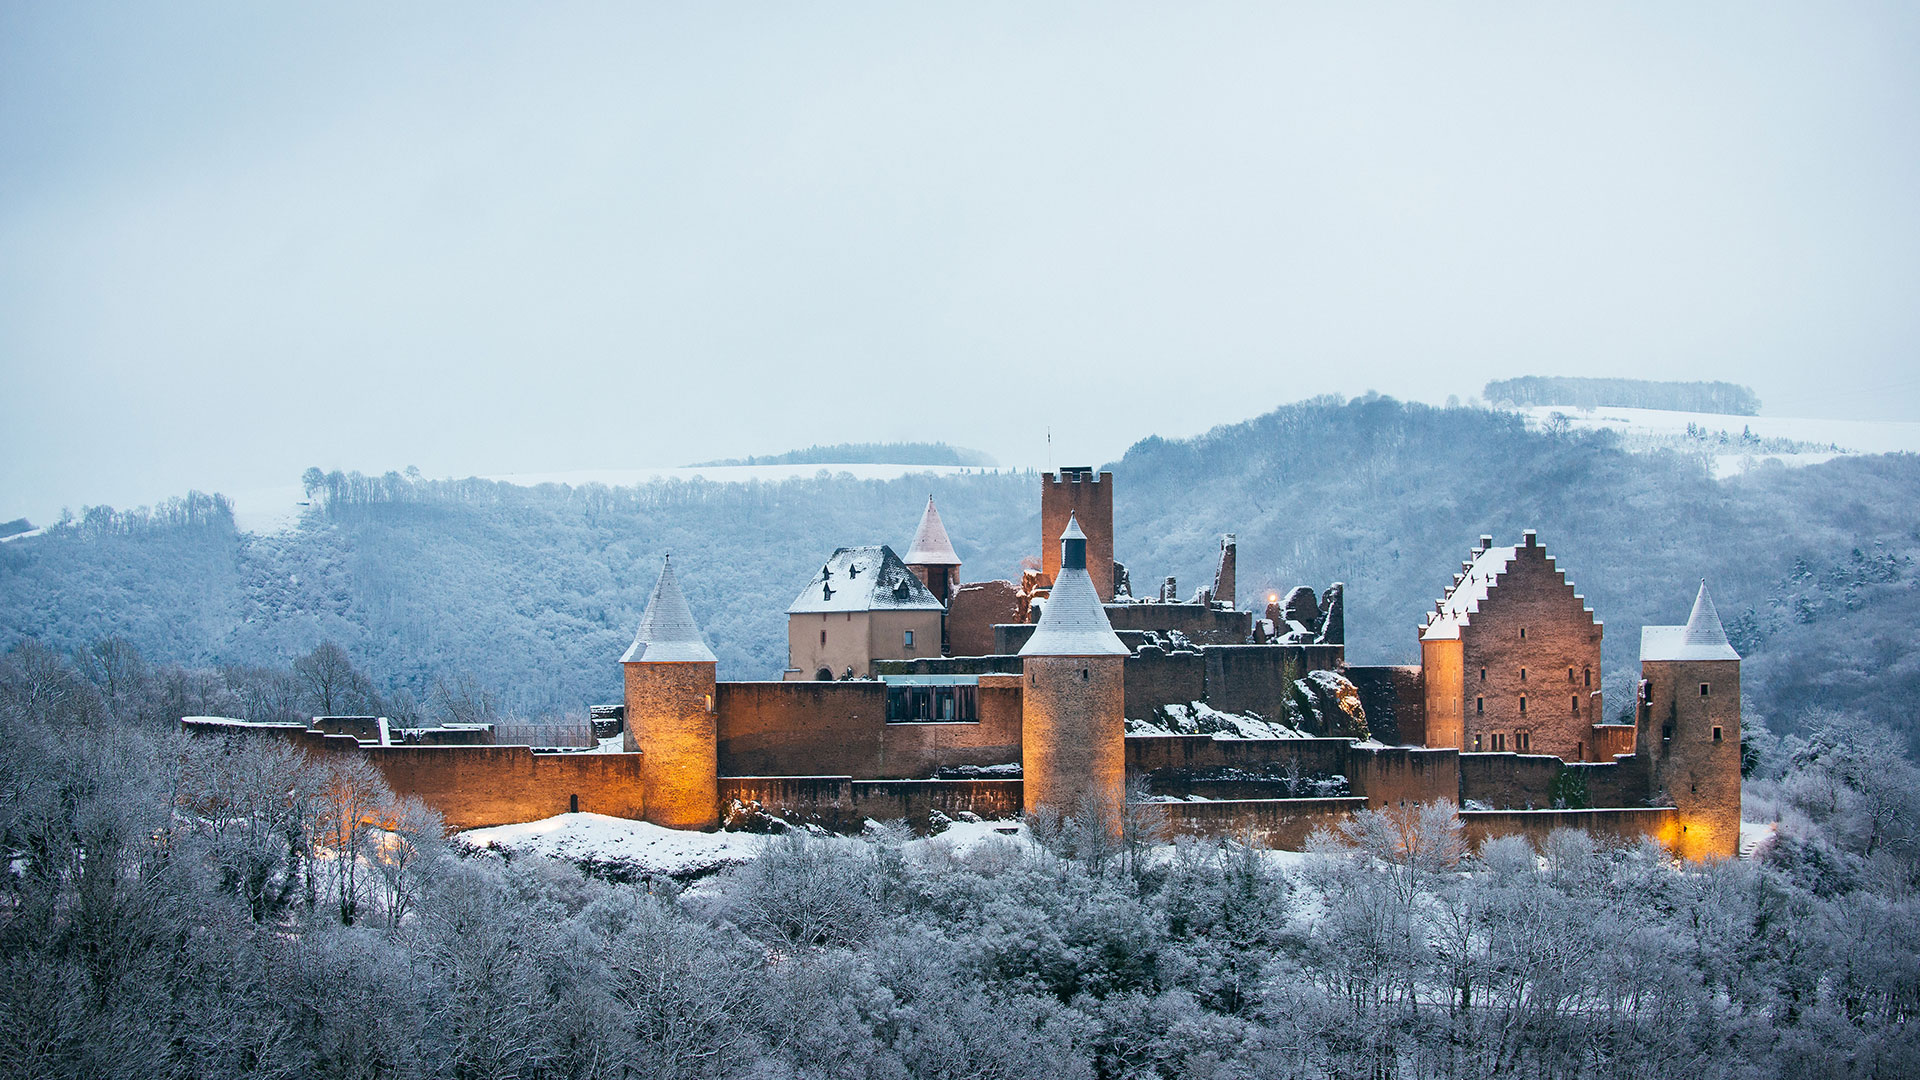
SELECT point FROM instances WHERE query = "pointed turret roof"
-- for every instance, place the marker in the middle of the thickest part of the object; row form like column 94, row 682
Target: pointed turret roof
column 1703, row 638
column 930, row 545
column 1072, row 621
column 668, row 633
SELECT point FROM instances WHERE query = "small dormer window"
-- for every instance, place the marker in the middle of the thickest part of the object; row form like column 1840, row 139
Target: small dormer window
column 826, row 591
column 853, row 571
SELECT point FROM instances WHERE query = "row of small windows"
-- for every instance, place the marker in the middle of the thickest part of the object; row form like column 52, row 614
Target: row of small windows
column 1497, row 742
column 1573, row 704
column 1586, row 676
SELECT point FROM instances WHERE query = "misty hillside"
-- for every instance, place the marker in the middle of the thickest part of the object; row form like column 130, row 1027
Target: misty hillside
column 1592, row 393
column 536, row 591
column 898, row 453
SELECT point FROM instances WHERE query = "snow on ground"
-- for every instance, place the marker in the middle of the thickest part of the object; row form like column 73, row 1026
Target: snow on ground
column 1755, row 836
column 1738, row 443
column 618, row 848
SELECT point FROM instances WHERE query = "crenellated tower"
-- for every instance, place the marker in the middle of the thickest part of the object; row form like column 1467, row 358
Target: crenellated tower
column 1085, row 496
column 1073, row 703
column 670, row 684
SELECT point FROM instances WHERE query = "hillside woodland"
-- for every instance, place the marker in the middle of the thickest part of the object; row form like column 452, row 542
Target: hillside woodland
column 234, row 911
column 526, row 597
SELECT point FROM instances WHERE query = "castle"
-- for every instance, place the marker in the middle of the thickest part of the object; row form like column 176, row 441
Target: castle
column 911, row 694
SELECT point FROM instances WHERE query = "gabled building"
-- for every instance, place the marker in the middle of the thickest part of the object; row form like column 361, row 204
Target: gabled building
column 863, row 605
column 1511, row 659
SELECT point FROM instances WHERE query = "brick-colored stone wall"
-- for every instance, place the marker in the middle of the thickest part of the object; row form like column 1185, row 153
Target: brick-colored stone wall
column 1561, row 636
column 1202, row 624
column 1443, row 687
column 1156, row 678
column 1254, row 678
column 1625, row 826
column 834, row 729
column 974, row 610
column 1395, row 700
column 1612, row 740
column 1400, row 775
column 1087, row 497
column 844, row 804
column 1276, row 823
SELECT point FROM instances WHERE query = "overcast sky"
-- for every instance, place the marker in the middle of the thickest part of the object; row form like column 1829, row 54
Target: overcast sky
column 239, row 240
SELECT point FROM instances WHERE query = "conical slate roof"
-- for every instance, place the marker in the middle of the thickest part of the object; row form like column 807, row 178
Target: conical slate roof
column 1072, row 623
column 930, row 545
column 1703, row 638
column 668, row 633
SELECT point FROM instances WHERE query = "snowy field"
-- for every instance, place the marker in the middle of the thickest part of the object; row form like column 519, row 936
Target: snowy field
column 1731, row 439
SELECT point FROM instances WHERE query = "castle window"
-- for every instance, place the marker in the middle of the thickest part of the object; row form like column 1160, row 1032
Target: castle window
column 823, row 637
column 909, row 639
column 1085, row 675
column 1569, row 674
column 1523, row 633
column 1716, row 733
column 1703, row 689
column 1523, row 704
column 1523, row 674
column 1576, row 704
column 1483, row 674
column 1499, row 742
column 1479, row 706
column 710, row 704
column 1476, row 744
column 1587, row 674
column 1523, row 741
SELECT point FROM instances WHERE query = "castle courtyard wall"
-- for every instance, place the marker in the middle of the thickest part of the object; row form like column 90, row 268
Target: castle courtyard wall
column 840, row 728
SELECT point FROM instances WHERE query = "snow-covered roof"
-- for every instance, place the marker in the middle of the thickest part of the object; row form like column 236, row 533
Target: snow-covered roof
column 930, row 545
column 864, row 579
column 1465, row 597
column 1072, row 622
column 1703, row 638
column 668, row 633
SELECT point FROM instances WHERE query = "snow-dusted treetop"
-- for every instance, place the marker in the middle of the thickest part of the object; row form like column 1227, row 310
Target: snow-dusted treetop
column 1072, row 622
column 668, row 633
column 930, row 545
column 864, row 579
column 1703, row 638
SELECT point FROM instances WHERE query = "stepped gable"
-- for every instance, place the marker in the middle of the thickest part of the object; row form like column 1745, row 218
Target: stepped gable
column 668, row 633
column 930, row 545
column 1072, row 621
column 1703, row 638
column 1474, row 585
column 870, row 578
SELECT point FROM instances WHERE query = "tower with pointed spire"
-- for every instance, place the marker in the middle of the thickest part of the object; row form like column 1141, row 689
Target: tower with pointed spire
column 931, row 556
column 670, row 684
column 1689, row 729
column 1073, row 700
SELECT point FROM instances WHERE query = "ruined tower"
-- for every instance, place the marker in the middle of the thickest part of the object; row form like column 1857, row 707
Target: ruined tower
column 931, row 556
column 1689, row 729
column 1073, row 704
column 1087, row 497
column 670, row 677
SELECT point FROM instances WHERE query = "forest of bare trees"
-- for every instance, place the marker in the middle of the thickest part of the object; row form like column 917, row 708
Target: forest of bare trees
column 240, row 910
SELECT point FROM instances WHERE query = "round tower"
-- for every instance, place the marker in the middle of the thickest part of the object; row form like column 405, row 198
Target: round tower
column 670, row 677
column 1073, row 699
column 1689, row 729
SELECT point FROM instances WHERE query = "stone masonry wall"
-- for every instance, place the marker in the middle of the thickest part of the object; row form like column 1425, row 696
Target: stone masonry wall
column 834, row 729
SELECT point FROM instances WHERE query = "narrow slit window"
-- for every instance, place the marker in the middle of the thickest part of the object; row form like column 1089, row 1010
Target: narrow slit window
column 1523, row 633
column 823, row 637
column 1704, row 688
column 1716, row 733
column 1523, row 704
column 1479, row 706
column 1576, row 704
column 1523, row 674
column 1483, row 674
column 1587, row 675
column 1476, row 744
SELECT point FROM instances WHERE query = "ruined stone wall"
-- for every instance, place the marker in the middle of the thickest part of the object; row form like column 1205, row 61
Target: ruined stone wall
column 1088, row 497
column 1147, row 754
column 472, row 787
column 1202, row 624
column 835, row 729
column 1403, row 776
column 1616, row 826
column 1156, row 678
column 1255, row 678
column 844, row 804
column 1611, row 741
column 975, row 608
column 1277, row 823
column 1395, row 700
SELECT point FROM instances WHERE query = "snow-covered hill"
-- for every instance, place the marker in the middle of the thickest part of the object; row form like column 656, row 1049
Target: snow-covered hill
column 1735, row 443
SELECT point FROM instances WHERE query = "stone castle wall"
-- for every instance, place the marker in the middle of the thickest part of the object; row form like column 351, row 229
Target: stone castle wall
column 840, row 728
